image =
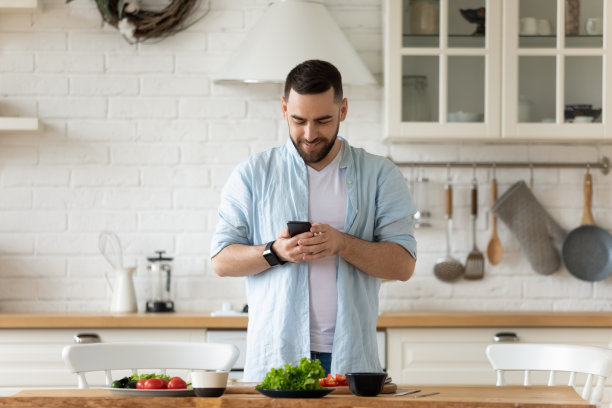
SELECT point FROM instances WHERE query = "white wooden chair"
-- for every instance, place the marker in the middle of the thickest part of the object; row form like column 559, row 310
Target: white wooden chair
column 594, row 362
column 134, row 356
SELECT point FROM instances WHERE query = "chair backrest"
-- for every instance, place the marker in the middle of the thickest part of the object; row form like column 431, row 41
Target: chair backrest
column 595, row 362
column 83, row 358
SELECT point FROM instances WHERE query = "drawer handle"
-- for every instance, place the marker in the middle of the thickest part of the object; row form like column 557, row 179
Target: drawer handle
column 503, row 337
column 84, row 338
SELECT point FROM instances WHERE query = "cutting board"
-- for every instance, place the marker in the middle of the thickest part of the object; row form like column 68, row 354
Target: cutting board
column 249, row 388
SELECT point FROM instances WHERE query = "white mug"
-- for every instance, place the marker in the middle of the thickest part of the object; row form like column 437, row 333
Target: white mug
column 544, row 27
column 594, row 26
column 528, row 26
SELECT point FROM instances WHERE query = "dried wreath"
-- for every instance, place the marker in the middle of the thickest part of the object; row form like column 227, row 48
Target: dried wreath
column 137, row 24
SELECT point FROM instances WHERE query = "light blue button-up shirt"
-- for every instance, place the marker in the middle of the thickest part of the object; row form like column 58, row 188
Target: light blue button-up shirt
column 271, row 188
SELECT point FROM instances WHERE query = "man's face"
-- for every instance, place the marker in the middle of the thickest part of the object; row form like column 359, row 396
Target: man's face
column 314, row 121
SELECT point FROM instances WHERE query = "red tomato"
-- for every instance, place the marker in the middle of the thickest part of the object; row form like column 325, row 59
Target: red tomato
column 165, row 383
column 341, row 379
column 322, row 381
column 141, row 384
column 154, row 384
column 177, row 383
column 330, row 381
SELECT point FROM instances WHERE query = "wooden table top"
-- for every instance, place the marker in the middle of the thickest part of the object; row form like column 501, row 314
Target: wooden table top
column 449, row 397
column 203, row 320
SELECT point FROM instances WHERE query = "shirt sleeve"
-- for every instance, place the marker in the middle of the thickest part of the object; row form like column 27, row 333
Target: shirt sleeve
column 395, row 210
column 235, row 210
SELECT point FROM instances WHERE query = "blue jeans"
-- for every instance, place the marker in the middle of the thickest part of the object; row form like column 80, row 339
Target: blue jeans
column 324, row 358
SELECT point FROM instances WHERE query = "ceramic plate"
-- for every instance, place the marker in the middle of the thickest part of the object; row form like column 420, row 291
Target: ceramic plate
column 296, row 393
column 132, row 392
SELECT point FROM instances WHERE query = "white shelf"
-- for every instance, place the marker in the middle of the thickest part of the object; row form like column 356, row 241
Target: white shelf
column 18, row 124
column 19, row 5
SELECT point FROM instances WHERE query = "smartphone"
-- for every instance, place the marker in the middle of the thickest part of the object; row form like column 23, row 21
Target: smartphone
column 297, row 227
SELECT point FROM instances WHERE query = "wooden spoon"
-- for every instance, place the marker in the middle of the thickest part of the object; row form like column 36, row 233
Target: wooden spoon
column 495, row 251
column 587, row 215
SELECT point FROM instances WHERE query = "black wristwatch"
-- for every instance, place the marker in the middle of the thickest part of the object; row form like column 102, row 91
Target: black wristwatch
column 270, row 256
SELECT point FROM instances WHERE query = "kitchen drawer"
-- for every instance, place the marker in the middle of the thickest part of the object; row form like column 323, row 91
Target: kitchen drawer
column 457, row 355
column 32, row 358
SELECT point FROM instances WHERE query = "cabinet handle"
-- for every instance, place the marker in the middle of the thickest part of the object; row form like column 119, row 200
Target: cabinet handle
column 505, row 337
column 84, row 338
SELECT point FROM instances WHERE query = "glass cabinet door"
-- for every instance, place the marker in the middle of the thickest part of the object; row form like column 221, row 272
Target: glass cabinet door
column 554, row 77
column 443, row 56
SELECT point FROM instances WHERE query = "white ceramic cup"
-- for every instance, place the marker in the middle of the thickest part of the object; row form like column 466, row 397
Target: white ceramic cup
column 583, row 119
column 209, row 383
column 528, row 26
column 544, row 27
column 594, row 26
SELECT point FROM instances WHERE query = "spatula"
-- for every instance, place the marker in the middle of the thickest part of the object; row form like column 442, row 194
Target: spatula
column 474, row 264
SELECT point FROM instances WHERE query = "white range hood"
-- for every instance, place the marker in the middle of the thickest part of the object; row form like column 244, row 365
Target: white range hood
column 290, row 32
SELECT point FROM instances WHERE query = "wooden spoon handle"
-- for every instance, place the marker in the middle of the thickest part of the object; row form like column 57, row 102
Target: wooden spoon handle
column 493, row 199
column 448, row 201
column 587, row 215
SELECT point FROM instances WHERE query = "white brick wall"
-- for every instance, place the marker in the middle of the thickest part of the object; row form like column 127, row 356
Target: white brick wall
column 139, row 139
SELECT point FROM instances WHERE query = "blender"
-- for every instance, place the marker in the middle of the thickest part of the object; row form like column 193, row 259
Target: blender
column 160, row 297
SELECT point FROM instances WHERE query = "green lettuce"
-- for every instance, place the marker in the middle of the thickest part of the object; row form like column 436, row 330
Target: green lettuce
column 304, row 376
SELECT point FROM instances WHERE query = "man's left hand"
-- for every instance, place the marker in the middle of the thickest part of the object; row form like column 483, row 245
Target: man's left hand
column 327, row 241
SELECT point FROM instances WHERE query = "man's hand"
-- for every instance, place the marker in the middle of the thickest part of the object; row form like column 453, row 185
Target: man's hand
column 287, row 248
column 327, row 241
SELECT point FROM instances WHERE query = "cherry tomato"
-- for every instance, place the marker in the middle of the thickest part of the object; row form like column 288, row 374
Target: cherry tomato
column 140, row 384
column 330, row 381
column 154, row 384
column 177, row 383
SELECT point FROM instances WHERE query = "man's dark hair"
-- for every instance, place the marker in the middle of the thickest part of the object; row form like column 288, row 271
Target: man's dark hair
column 313, row 77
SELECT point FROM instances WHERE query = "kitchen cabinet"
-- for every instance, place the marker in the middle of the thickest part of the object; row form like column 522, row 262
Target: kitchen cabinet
column 456, row 356
column 512, row 75
column 32, row 358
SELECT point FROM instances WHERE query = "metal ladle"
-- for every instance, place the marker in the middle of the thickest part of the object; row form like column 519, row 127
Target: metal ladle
column 448, row 269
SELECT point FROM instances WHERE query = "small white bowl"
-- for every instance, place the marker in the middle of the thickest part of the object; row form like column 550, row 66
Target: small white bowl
column 583, row 119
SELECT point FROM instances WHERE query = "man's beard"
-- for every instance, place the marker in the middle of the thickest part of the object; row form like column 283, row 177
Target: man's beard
column 316, row 156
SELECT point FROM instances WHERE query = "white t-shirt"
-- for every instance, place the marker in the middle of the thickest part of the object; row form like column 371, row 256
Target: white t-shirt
column 327, row 203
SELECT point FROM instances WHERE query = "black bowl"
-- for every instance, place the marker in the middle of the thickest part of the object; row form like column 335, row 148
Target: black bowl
column 475, row 16
column 366, row 384
column 209, row 392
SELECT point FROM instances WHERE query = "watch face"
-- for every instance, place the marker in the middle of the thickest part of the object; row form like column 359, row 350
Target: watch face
column 270, row 256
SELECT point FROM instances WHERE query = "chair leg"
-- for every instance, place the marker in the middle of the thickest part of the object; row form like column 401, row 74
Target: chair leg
column 500, row 378
column 527, row 378
column 551, row 378
column 82, row 381
column 586, row 391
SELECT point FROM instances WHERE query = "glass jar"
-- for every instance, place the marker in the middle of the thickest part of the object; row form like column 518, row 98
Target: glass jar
column 415, row 101
column 425, row 17
column 572, row 17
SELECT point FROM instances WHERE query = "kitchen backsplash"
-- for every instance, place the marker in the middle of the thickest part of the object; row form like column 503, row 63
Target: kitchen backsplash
column 139, row 140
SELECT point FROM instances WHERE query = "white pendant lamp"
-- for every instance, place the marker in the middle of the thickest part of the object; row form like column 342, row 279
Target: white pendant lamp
column 290, row 32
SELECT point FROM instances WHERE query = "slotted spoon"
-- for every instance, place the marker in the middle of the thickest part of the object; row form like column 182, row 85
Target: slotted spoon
column 474, row 264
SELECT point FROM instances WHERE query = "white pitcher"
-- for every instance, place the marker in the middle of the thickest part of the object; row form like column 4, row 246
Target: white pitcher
column 124, row 294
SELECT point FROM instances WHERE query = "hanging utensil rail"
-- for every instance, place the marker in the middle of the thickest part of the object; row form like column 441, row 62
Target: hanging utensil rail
column 603, row 164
